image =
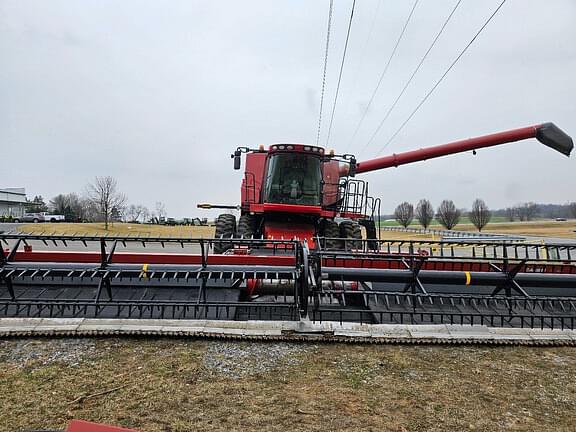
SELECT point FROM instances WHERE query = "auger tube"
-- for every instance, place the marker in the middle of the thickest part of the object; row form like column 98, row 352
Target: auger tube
column 547, row 133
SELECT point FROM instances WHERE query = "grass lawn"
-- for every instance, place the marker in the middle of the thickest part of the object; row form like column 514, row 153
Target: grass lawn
column 181, row 385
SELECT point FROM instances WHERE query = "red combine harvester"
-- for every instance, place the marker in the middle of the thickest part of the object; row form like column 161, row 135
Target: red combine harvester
column 295, row 191
column 297, row 252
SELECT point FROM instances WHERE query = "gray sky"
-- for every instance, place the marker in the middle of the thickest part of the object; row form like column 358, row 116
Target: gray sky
column 158, row 94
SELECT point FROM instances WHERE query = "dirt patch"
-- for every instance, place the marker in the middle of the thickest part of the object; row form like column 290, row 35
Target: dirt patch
column 35, row 353
column 237, row 360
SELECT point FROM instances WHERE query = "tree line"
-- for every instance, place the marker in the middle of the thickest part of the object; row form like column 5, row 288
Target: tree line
column 102, row 201
column 447, row 214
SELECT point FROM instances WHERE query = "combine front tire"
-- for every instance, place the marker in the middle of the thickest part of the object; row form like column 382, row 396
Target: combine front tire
column 246, row 227
column 332, row 234
column 351, row 230
column 225, row 228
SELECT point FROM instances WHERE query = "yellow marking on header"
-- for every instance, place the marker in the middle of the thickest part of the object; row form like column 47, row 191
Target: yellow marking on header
column 144, row 272
column 468, row 278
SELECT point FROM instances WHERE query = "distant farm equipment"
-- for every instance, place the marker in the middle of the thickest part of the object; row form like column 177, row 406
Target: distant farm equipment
column 183, row 222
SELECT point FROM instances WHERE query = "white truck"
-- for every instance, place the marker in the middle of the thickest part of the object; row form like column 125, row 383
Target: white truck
column 40, row 217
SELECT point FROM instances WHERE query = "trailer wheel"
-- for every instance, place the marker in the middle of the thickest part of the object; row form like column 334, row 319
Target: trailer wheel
column 351, row 230
column 331, row 233
column 225, row 228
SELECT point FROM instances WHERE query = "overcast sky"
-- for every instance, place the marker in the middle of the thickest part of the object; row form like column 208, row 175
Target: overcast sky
column 158, row 94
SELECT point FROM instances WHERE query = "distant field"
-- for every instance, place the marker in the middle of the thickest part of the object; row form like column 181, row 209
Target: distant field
column 542, row 228
column 546, row 228
column 122, row 229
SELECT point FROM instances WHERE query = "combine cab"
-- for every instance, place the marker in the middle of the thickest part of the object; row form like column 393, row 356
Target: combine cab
column 297, row 253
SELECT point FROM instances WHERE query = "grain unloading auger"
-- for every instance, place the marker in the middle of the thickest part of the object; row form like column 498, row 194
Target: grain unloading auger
column 288, row 258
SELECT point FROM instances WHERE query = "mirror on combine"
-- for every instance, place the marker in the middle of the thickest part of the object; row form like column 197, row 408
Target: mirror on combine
column 236, row 157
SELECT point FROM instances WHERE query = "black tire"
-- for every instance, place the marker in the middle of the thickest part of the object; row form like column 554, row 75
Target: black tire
column 351, row 230
column 225, row 228
column 16, row 220
column 332, row 232
column 246, row 227
column 36, row 220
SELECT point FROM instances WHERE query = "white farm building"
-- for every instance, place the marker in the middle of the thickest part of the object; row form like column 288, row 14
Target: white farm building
column 12, row 202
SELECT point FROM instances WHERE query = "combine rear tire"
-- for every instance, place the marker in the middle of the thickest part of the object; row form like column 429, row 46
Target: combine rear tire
column 351, row 230
column 225, row 228
column 331, row 233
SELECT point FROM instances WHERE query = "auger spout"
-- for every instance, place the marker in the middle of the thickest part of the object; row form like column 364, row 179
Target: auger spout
column 547, row 133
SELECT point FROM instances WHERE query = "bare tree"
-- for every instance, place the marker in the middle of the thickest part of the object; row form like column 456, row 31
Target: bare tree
column 70, row 205
column 572, row 207
column 447, row 214
column 134, row 213
column 480, row 214
column 404, row 214
column 104, row 194
column 424, row 213
column 160, row 210
column 527, row 211
column 145, row 214
column 510, row 213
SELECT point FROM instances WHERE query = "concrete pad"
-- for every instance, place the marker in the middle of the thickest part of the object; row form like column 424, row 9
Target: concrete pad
column 226, row 324
column 223, row 331
column 63, row 328
column 431, row 335
column 262, row 332
column 553, row 337
column 389, row 330
column 12, row 322
column 101, row 327
column 432, row 328
column 60, row 321
column 142, row 328
column 467, row 329
column 258, row 324
column 182, row 329
column 7, row 330
column 352, row 333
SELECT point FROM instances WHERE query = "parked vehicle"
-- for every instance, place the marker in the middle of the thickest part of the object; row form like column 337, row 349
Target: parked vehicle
column 40, row 217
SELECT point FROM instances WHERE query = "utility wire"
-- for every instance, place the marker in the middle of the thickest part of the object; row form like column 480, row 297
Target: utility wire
column 324, row 74
column 385, row 70
column 363, row 53
column 340, row 74
column 442, row 77
column 413, row 75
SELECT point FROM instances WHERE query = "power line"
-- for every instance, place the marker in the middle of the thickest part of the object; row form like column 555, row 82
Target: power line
column 324, row 74
column 385, row 69
column 363, row 52
column 442, row 77
column 446, row 21
column 341, row 69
